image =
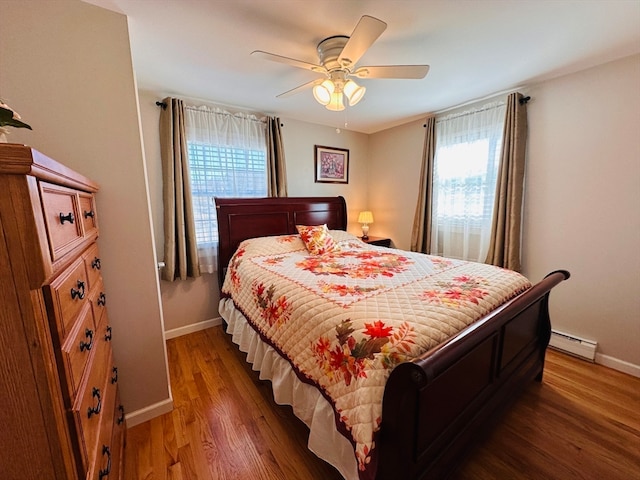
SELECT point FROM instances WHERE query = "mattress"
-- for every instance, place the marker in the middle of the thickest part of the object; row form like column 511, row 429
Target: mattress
column 341, row 321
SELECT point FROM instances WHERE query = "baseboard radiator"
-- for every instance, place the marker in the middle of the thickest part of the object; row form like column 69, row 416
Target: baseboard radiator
column 573, row 345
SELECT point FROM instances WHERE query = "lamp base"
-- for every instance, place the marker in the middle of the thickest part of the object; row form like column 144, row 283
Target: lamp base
column 365, row 231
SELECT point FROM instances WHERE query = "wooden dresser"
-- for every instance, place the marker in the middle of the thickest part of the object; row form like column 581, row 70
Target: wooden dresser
column 60, row 411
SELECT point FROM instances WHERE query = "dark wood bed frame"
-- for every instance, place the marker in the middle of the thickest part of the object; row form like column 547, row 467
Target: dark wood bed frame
column 435, row 406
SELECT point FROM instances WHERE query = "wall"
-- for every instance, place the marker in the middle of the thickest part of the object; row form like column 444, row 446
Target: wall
column 582, row 195
column 193, row 303
column 66, row 68
column 396, row 159
column 582, row 203
column 299, row 141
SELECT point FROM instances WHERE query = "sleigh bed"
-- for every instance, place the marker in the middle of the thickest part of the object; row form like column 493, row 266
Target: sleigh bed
column 433, row 405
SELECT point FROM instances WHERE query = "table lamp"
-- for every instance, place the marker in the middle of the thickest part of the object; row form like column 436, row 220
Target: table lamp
column 365, row 218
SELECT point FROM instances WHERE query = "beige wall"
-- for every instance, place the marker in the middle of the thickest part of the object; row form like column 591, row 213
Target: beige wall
column 582, row 201
column 65, row 66
column 299, row 141
column 193, row 301
column 396, row 159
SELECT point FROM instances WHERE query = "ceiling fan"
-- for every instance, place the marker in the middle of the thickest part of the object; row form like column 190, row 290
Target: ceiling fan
column 338, row 58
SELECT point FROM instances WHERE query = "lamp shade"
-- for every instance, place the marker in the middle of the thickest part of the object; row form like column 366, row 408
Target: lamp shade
column 322, row 93
column 365, row 217
column 354, row 92
column 336, row 104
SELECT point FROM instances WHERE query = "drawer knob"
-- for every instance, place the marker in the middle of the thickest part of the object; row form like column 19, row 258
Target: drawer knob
column 121, row 417
column 84, row 345
column 66, row 218
column 114, row 377
column 89, row 214
column 102, row 299
column 95, row 410
column 79, row 292
column 106, row 471
column 95, row 264
column 107, row 336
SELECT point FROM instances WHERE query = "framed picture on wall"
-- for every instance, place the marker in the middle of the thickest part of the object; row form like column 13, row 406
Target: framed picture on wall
column 332, row 165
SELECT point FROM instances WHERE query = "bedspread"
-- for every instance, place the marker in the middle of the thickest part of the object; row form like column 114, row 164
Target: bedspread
column 344, row 319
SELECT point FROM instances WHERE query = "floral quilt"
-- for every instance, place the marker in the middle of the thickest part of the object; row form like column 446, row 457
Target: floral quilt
column 346, row 318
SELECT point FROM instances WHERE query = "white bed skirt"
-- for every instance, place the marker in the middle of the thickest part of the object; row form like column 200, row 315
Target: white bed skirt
column 308, row 403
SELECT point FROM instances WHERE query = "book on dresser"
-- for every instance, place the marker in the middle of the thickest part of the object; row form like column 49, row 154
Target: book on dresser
column 60, row 407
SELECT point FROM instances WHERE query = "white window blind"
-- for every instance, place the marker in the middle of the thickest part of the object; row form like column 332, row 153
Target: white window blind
column 227, row 158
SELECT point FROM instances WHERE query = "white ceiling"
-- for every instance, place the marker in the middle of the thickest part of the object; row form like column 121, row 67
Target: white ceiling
column 200, row 49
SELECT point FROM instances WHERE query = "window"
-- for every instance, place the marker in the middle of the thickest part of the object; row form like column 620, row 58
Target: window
column 227, row 158
column 464, row 181
column 222, row 172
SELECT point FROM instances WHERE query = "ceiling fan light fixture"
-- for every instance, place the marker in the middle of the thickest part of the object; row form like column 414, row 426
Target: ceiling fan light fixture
column 336, row 104
column 324, row 91
column 354, row 92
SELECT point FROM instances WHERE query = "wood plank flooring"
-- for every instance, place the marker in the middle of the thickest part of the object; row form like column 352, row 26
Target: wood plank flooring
column 581, row 422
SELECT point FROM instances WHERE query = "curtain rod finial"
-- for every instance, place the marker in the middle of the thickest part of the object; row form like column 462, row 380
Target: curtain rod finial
column 162, row 104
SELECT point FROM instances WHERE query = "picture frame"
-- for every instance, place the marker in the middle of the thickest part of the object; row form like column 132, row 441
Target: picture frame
column 332, row 164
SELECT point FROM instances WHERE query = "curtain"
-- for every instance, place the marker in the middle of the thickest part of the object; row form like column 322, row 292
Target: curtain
column 227, row 154
column 464, row 181
column 504, row 249
column 276, row 166
column 180, row 250
column 421, row 233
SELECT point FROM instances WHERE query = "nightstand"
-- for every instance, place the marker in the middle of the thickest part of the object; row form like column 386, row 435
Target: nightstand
column 379, row 241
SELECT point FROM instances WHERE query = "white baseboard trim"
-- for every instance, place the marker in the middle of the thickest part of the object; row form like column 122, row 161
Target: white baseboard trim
column 194, row 327
column 619, row 365
column 147, row 413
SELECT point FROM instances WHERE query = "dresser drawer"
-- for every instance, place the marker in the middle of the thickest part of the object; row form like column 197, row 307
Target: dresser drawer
column 93, row 399
column 106, row 464
column 60, row 207
column 67, row 293
column 93, row 265
column 88, row 213
column 77, row 349
column 117, row 441
column 99, row 302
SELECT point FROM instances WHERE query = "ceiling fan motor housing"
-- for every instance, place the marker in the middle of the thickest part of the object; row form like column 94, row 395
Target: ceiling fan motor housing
column 329, row 51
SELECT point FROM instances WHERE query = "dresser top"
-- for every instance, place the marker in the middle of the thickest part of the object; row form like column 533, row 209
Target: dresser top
column 17, row 159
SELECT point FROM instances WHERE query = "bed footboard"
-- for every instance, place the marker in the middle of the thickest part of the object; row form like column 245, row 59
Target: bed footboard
column 434, row 405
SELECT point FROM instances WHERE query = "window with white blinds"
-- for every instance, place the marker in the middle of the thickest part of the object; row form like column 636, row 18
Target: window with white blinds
column 227, row 158
column 222, row 172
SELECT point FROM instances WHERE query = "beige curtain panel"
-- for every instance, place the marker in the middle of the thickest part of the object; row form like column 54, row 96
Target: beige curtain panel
column 421, row 233
column 180, row 249
column 276, row 168
column 504, row 248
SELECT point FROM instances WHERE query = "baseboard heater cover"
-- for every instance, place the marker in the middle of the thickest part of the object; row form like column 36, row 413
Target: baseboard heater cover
column 574, row 345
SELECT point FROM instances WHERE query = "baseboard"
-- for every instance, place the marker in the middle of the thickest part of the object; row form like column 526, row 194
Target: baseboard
column 619, row 365
column 147, row 413
column 194, row 327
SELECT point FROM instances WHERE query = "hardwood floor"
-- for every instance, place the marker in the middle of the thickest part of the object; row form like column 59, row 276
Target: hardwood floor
column 581, row 422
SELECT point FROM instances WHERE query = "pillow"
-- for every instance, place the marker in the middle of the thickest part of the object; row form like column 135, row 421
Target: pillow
column 316, row 238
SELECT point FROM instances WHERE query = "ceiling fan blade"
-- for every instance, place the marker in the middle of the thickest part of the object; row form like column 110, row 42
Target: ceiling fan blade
column 299, row 88
column 288, row 61
column 392, row 71
column 366, row 32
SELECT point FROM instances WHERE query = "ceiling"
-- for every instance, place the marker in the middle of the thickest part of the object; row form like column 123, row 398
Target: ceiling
column 200, row 49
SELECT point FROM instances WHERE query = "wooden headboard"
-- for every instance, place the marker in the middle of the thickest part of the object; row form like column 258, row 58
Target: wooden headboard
column 243, row 218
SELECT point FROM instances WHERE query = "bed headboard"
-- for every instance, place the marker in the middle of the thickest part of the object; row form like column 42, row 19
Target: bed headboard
column 242, row 218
